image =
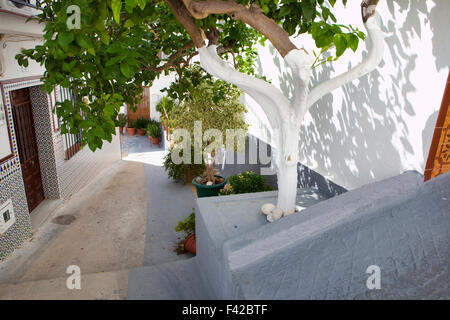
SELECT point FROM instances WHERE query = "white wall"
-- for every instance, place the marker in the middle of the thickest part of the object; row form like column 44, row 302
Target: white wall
column 156, row 94
column 18, row 35
column 382, row 124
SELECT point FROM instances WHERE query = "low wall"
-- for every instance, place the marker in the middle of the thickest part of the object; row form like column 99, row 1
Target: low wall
column 399, row 224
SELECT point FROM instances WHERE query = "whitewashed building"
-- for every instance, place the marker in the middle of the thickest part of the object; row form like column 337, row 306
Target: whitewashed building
column 37, row 163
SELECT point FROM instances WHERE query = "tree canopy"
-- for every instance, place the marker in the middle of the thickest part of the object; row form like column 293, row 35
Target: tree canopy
column 121, row 45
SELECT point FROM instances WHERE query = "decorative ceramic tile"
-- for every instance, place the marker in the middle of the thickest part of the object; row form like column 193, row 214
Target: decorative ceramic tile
column 61, row 178
column 42, row 115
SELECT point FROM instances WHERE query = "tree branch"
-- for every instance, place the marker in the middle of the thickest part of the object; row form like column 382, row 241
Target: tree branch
column 373, row 59
column 253, row 16
column 274, row 103
column 180, row 53
column 183, row 16
column 187, row 62
column 368, row 8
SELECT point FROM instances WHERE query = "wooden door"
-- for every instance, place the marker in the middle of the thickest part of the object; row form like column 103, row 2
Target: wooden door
column 143, row 108
column 439, row 157
column 27, row 147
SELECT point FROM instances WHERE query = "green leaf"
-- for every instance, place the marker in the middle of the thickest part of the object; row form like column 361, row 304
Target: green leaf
column 130, row 5
column 284, row 11
column 91, row 51
column 64, row 39
column 125, row 69
column 340, row 43
column 353, row 41
column 116, row 6
column 84, row 41
column 129, row 24
column 307, row 9
column 141, row 3
column 104, row 37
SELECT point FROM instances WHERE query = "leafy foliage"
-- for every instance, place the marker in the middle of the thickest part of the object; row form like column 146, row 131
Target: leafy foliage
column 154, row 129
column 117, row 50
column 178, row 172
column 122, row 120
column 245, row 182
column 187, row 225
column 213, row 102
column 141, row 123
column 165, row 105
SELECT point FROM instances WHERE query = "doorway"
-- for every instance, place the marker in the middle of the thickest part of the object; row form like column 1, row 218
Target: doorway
column 439, row 156
column 27, row 146
column 142, row 109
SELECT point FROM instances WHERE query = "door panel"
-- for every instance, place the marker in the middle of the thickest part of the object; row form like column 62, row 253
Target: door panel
column 27, row 147
column 143, row 108
column 439, row 157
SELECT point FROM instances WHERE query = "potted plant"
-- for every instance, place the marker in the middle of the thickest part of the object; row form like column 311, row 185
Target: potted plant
column 131, row 129
column 154, row 132
column 141, row 124
column 182, row 172
column 209, row 183
column 188, row 227
column 121, row 121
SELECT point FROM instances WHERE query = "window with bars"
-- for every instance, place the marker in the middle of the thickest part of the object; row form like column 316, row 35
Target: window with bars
column 25, row 3
column 72, row 142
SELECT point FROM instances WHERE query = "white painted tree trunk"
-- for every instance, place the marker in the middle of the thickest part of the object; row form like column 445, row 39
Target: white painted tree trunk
column 287, row 187
column 285, row 115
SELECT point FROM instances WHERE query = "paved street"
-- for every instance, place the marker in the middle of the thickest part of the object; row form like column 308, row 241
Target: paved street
column 124, row 219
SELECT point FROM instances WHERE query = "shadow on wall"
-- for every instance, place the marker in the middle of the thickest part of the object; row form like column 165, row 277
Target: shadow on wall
column 367, row 138
column 440, row 25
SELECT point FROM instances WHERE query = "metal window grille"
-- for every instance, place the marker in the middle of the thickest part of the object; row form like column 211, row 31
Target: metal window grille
column 26, row 3
column 72, row 142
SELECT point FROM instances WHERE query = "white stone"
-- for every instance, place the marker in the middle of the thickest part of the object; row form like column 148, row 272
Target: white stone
column 209, row 183
column 277, row 213
column 267, row 208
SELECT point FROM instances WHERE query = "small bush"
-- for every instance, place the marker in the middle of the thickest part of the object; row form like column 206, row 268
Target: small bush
column 245, row 182
column 122, row 120
column 153, row 129
column 141, row 123
column 187, row 225
column 178, row 171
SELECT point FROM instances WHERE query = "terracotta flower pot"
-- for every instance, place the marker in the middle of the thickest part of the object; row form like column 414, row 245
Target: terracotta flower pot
column 141, row 132
column 155, row 140
column 120, row 130
column 131, row 131
column 190, row 244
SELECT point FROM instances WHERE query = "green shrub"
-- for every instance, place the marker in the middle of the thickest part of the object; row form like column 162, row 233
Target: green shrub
column 165, row 104
column 178, row 171
column 187, row 225
column 122, row 120
column 245, row 182
column 141, row 123
column 154, row 129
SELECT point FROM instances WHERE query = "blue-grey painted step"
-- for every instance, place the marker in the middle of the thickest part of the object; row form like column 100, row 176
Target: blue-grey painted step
column 178, row 280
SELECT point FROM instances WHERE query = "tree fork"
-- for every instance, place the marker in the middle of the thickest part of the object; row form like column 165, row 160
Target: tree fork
column 253, row 16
